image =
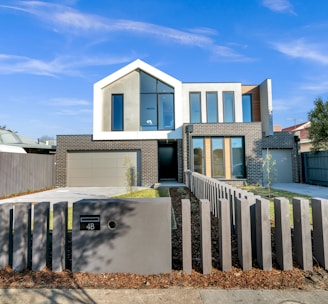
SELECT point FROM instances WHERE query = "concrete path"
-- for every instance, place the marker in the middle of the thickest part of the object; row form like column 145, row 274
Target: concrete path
column 309, row 190
column 167, row 296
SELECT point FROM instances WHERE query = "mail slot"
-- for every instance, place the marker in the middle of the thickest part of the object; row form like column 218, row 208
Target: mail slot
column 90, row 222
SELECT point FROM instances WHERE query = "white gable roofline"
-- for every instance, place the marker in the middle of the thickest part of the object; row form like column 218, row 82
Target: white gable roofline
column 136, row 65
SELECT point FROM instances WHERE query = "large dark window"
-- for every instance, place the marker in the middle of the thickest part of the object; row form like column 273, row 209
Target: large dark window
column 117, row 112
column 156, row 104
column 217, row 157
column 198, row 154
column 212, row 107
column 228, row 107
column 247, row 108
column 237, row 157
column 195, row 107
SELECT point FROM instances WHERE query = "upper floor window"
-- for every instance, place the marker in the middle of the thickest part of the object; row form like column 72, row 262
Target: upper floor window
column 117, row 112
column 156, row 104
column 195, row 107
column 247, row 108
column 212, row 107
column 228, row 107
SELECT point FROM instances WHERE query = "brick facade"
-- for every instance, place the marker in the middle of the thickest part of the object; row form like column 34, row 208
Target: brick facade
column 148, row 151
column 252, row 133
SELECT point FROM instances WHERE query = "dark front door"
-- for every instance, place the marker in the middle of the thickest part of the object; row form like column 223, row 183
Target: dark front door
column 167, row 161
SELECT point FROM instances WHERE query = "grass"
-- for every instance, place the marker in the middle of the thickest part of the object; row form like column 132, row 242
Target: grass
column 263, row 192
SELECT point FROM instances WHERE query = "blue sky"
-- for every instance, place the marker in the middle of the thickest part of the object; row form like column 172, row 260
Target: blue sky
column 52, row 52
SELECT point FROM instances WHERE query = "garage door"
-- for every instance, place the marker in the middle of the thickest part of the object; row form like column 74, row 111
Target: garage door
column 99, row 169
column 283, row 158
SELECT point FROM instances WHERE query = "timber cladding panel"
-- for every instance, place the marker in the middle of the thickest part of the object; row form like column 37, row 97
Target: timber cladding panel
column 84, row 143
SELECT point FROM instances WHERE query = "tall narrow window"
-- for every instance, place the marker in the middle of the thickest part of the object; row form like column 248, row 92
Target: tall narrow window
column 247, row 108
column 117, row 112
column 195, row 107
column 217, row 157
column 228, row 107
column 212, row 107
column 237, row 157
column 198, row 154
column 156, row 104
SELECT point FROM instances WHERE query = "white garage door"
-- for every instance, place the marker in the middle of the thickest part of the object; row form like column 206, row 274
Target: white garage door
column 283, row 158
column 99, row 169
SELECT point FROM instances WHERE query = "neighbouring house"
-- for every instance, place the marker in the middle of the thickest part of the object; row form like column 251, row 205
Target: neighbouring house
column 302, row 131
column 17, row 143
column 150, row 125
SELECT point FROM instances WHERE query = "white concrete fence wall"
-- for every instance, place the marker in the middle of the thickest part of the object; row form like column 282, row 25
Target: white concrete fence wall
column 248, row 216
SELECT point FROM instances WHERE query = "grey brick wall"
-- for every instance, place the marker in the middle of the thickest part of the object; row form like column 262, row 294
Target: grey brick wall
column 253, row 143
column 148, row 150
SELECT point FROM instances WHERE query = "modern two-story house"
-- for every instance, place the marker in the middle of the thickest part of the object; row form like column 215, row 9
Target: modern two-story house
column 156, row 126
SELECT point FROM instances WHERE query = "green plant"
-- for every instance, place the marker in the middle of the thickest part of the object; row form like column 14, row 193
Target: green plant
column 270, row 172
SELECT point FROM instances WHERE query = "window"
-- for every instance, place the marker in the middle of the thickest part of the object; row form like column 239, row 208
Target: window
column 237, row 157
column 117, row 112
column 195, row 108
column 198, row 154
column 228, row 107
column 217, row 157
column 212, row 107
column 156, row 104
column 247, row 108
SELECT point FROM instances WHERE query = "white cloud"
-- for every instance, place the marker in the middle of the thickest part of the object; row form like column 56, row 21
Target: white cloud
column 280, row 6
column 11, row 64
column 67, row 102
column 64, row 18
column 303, row 50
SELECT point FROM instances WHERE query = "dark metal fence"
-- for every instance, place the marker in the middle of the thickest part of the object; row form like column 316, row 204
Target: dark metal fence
column 315, row 168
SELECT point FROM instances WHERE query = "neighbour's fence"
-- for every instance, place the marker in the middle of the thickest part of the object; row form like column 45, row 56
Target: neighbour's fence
column 26, row 172
column 236, row 211
column 315, row 168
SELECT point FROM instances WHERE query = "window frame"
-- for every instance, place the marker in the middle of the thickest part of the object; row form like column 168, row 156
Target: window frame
column 249, row 105
column 114, row 115
column 199, row 119
column 232, row 157
column 225, row 107
column 216, row 120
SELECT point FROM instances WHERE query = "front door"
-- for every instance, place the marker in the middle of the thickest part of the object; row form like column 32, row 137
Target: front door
column 167, row 161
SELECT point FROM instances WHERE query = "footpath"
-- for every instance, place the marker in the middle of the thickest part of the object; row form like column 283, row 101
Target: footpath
column 159, row 296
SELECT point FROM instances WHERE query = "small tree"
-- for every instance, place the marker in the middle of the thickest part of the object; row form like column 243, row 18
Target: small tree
column 270, row 172
column 130, row 174
column 318, row 130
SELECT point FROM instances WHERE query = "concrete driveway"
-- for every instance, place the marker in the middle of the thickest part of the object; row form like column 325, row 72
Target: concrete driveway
column 309, row 190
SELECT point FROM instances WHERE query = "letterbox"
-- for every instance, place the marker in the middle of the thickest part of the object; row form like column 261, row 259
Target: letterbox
column 122, row 235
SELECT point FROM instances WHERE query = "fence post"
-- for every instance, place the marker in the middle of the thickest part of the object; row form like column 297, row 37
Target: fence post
column 302, row 233
column 59, row 236
column 225, row 235
column 320, row 230
column 186, row 236
column 263, row 234
column 40, row 244
column 244, row 234
column 22, row 236
column 205, row 236
column 6, row 229
column 283, row 234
